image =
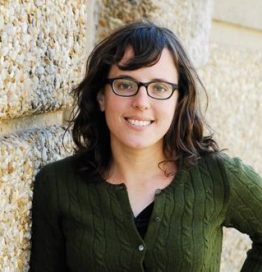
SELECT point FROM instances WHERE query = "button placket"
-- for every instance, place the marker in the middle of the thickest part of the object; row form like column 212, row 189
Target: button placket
column 157, row 193
column 156, row 218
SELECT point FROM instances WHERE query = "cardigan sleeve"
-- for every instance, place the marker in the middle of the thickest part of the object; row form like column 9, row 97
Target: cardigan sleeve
column 48, row 243
column 245, row 209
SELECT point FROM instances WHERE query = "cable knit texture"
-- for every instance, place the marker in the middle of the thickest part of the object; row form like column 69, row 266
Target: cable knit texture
column 81, row 226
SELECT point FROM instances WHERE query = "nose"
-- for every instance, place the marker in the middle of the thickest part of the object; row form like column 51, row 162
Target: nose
column 141, row 100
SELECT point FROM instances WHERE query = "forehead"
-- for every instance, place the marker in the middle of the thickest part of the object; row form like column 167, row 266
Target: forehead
column 164, row 68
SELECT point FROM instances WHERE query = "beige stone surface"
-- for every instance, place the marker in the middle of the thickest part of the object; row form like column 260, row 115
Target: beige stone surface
column 19, row 125
column 192, row 27
column 235, row 247
column 43, row 49
column 234, row 36
column 246, row 13
column 233, row 78
column 233, row 81
column 21, row 156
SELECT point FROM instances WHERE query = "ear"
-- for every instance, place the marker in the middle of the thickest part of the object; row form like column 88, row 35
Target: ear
column 101, row 100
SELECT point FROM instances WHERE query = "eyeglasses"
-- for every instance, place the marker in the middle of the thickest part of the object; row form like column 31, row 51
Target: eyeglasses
column 156, row 89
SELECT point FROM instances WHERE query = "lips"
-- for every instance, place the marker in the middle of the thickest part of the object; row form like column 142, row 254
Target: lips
column 138, row 123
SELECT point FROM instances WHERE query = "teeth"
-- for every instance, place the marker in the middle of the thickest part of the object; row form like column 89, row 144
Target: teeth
column 139, row 123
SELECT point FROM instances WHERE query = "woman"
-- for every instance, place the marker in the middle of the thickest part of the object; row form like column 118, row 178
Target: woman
column 146, row 190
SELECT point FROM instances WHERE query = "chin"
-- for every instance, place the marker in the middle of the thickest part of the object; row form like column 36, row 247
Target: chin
column 140, row 145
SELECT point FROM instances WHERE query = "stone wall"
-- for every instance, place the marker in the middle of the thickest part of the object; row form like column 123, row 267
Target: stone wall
column 233, row 80
column 234, row 113
column 21, row 156
column 43, row 49
column 190, row 20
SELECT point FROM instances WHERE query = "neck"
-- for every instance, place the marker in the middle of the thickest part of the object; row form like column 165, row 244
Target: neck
column 136, row 165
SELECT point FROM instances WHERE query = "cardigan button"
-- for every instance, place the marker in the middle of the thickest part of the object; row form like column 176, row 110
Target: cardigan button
column 157, row 219
column 141, row 247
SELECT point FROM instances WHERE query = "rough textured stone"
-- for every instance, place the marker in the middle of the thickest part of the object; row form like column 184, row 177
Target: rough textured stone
column 234, row 36
column 233, row 81
column 245, row 13
column 42, row 53
column 179, row 15
column 31, row 122
column 21, row 156
column 235, row 246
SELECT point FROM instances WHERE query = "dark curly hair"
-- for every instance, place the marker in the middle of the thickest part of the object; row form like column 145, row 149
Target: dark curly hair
column 91, row 136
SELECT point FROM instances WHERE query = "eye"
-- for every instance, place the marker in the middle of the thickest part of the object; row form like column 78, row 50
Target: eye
column 160, row 87
column 124, row 85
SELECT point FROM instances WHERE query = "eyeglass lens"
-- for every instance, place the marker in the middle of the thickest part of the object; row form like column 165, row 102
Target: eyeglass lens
column 156, row 89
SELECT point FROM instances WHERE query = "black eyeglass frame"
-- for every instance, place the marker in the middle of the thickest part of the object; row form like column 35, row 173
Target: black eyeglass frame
column 139, row 84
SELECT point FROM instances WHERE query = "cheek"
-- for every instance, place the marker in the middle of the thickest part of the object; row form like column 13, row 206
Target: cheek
column 113, row 105
column 111, row 101
column 114, row 109
column 170, row 108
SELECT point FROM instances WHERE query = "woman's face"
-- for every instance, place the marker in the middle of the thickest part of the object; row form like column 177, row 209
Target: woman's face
column 140, row 122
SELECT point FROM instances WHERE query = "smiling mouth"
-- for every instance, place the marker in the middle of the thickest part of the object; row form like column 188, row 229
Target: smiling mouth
column 139, row 123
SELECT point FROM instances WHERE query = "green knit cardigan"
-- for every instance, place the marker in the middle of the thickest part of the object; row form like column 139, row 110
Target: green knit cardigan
column 83, row 226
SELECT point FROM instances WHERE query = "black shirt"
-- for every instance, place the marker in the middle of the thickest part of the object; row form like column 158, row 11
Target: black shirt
column 142, row 219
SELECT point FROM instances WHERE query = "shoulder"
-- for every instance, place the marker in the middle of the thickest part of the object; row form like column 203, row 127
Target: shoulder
column 221, row 159
column 214, row 162
column 61, row 168
column 232, row 169
column 57, row 175
column 235, row 165
column 221, row 164
column 65, row 164
column 56, row 181
column 65, row 173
